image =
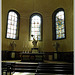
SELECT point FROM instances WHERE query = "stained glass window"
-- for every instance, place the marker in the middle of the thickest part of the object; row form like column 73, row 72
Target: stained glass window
column 60, row 32
column 35, row 24
column 12, row 25
column 59, row 26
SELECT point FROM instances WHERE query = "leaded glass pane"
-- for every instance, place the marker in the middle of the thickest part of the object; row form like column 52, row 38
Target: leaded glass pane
column 36, row 27
column 60, row 32
column 12, row 22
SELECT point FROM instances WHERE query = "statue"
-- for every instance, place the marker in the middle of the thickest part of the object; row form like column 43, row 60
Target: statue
column 13, row 45
column 34, row 43
column 56, row 46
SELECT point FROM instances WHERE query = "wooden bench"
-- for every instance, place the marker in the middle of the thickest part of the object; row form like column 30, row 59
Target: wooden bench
column 55, row 68
column 38, row 68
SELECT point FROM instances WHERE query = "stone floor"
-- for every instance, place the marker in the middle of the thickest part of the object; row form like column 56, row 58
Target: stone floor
column 19, row 61
column 20, row 73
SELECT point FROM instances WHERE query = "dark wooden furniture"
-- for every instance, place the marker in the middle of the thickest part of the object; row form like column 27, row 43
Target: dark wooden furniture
column 61, row 56
column 32, row 57
column 37, row 68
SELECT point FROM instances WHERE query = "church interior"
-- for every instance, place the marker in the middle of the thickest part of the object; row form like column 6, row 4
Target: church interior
column 37, row 37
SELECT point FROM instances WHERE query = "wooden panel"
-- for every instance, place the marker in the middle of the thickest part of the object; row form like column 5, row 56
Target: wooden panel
column 6, row 55
column 31, row 57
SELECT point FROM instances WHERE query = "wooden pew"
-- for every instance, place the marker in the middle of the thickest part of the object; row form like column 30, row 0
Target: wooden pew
column 24, row 67
column 38, row 68
column 55, row 68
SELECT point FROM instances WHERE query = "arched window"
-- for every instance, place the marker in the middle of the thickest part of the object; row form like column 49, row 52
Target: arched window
column 36, row 26
column 59, row 24
column 12, row 30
